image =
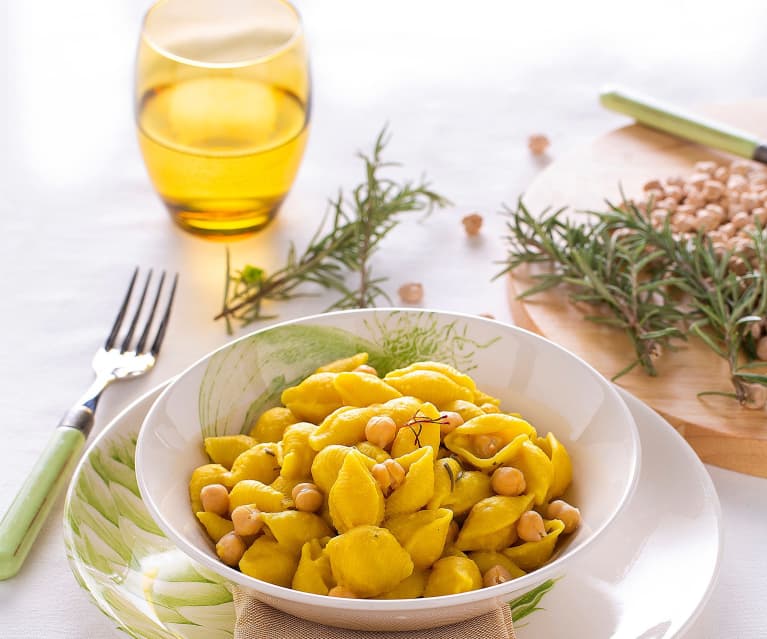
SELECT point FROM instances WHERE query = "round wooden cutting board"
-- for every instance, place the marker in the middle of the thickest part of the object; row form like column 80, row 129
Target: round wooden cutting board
column 720, row 431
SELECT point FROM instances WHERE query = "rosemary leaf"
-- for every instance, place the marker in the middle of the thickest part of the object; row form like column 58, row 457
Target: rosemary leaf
column 340, row 249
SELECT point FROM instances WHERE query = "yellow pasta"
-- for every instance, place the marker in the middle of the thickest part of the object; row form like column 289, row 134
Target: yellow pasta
column 416, row 510
column 355, row 498
column 368, row 560
column 313, row 573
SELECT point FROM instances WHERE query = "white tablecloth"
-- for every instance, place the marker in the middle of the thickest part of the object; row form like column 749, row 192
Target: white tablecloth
column 462, row 85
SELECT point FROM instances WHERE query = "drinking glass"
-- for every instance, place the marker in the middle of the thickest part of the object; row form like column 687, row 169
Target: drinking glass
column 223, row 95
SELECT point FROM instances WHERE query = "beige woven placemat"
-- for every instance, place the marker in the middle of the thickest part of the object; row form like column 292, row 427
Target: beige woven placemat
column 256, row 620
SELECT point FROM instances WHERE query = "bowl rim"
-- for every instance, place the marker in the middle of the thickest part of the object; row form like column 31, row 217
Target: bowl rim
column 275, row 592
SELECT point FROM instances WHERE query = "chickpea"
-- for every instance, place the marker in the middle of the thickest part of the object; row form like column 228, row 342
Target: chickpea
column 530, row 526
column 341, row 591
column 712, row 190
column 496, row 575
column 508, row 481
column 737, row 182
column 697, row 180
column 215, row 499
column 381, row 475
column 449, row 421
column 307, row 497
column 667, row 203
column 472, row 223
column 760, row 215
column 247, row 520
column 728, row 230
column 380, row 430
column 652, row 185
column 411, row 292
column 737, row 265
column 396, row 473
column 365, row 368
column 739, row 220
column 749, row 201
column 674, row 192
column 230, row 549
column 538, row 143
column 569, row 515
column 706, row 166
column 486, row 445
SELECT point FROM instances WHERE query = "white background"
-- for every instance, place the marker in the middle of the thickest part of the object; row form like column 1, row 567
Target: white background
column 462, row 85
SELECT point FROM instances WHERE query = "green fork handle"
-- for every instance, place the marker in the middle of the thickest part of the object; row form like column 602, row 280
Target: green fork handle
column 26, row 515
column 684, row 124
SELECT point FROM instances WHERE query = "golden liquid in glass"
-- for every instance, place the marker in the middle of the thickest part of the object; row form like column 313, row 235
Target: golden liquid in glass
column 222, row 152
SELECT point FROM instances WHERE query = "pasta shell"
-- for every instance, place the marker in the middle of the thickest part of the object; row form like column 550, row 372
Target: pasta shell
column 268, row 561
column 327, row 464
column 215, row 525
column 203, row 476
column 293, row 528
column 345, row 364
column 368, row 560
column 314, row 398
column 418, row 486
column 313, row 573
column 272, row 424
column 471, row 486
column 486, row 559
column 510, row 432
column 452, row 575
column 428, row 385
column 260, row 463
column 446, row 473
column 297, row 454
column 258, row 494
column 537, row 469
column 533, row 554
column 422, row 534
column 345, row 426
column 401, row 409
column 355, row 498
column 490, row 524
column 415, row 434
column 445, row 369
column 410, row 587
column 224, row 450
column 363, row 389
column 560, row 460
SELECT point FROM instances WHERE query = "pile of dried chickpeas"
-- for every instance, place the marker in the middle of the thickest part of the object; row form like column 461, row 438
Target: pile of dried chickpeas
column 724, row 200
column 411, row 484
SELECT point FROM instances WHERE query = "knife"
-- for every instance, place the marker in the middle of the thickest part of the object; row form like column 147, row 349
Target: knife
column 684, row 124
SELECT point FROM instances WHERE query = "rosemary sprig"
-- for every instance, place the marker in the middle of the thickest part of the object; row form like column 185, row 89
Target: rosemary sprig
column 358, row 224
column 728, row 304
column 651, row 284
column 615, row 273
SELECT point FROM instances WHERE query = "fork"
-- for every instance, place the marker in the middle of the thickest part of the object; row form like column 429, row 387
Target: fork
column 114, row 361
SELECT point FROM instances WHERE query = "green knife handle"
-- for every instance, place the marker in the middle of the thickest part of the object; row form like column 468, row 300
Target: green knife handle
column 29, row 509
column 682, row 123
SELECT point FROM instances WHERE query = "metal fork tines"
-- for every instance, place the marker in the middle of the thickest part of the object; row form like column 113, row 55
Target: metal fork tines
column 121, row 358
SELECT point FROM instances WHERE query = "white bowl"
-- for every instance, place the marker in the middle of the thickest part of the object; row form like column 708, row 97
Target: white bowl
column 552, row 388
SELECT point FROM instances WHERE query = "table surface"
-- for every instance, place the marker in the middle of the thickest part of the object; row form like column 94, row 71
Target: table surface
column 462, row 85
